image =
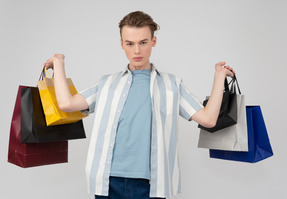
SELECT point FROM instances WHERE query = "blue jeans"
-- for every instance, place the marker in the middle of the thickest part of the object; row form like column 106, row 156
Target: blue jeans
column 127, row 188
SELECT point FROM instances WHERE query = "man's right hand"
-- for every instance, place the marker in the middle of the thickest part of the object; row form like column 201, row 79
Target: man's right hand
column 50, row 62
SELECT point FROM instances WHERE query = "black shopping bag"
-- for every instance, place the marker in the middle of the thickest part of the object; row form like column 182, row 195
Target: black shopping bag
column 228, row 110
column 33, row 124
column 259, row 147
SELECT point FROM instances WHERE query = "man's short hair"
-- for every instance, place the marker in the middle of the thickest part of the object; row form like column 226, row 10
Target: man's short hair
column 138, row 19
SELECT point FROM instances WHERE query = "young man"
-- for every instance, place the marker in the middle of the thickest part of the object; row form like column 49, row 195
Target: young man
column 133, row 147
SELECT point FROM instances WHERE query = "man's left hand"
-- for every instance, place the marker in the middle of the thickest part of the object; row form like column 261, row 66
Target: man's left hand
column 227, row 70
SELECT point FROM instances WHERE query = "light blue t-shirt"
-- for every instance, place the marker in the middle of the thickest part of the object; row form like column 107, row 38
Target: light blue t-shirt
column 131, row 157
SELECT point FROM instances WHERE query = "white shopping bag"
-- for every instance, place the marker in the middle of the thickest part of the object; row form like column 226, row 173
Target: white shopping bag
column 233, row 138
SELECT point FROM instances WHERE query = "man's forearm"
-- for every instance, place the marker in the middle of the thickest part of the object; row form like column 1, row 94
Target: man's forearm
column 214, row 103
column 61, row 86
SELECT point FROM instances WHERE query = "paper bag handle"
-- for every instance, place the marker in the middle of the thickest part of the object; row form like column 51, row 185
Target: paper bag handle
column 44, row 74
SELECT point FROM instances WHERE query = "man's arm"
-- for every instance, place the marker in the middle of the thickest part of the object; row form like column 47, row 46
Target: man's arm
column 66, row 101
column 207, row 116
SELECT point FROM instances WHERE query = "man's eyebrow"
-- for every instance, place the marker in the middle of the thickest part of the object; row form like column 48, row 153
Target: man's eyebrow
column 127, row 41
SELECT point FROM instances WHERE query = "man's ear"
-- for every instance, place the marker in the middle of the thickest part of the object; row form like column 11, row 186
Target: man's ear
column 122, row 43
column 154, row 39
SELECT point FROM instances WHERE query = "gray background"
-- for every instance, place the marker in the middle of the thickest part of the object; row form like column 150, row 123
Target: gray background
column 250, row 35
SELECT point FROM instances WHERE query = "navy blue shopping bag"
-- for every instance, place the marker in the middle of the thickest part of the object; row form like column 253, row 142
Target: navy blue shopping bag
column 259, row 147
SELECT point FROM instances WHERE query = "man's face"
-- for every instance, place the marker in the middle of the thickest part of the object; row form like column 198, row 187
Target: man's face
column 137, row 44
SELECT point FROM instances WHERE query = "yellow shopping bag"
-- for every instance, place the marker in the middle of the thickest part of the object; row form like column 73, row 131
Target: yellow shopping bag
column 53, row 114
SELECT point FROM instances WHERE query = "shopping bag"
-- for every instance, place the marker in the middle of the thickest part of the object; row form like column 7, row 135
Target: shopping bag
column 233, row 138
column 228, row 110
column 33, row 125
column 259, row 147
column 54, row 116
column 30, row 155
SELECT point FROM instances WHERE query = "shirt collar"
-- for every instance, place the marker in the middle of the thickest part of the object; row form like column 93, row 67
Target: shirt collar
column 126, row 70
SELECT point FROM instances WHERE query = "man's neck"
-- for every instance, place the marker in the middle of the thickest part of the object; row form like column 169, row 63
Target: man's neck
column 143, row 67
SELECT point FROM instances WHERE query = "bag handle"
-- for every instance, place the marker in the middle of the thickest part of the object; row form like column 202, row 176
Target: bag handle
column 237, row 85
column 226, row 84
column 44, row 74
column 233, row 86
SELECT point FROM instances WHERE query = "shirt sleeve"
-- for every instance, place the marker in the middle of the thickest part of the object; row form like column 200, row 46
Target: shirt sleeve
column 90, row 95
column 189, row 104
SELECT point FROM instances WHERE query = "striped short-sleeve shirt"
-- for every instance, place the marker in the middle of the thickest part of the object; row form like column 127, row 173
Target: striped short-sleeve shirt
column 170, row 98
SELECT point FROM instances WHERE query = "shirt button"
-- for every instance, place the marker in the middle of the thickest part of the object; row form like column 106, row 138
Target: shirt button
column 124, row 95
column 108, row 162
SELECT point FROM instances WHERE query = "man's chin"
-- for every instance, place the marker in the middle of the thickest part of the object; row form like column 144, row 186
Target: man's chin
column 139, row 64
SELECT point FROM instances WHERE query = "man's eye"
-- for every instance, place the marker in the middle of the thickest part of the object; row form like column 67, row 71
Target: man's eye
column 129, row 44
column 143, row 42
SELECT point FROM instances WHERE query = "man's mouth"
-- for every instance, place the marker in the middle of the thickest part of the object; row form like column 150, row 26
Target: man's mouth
column 138, row 58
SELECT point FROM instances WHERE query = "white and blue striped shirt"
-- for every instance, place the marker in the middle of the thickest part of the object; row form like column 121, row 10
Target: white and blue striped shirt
column 169, row 98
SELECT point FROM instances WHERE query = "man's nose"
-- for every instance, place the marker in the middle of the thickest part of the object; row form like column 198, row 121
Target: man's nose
column 137, row 49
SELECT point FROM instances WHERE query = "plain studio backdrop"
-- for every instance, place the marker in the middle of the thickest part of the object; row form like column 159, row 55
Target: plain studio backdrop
column 249, row 35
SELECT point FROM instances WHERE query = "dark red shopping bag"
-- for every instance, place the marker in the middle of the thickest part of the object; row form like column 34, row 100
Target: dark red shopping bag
column 30, row 155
